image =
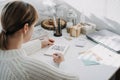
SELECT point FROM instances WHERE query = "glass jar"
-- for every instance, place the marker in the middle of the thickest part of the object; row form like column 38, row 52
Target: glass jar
column 69, row 25
column 72, row 16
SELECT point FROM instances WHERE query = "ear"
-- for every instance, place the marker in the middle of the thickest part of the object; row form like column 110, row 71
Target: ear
column 26, row 28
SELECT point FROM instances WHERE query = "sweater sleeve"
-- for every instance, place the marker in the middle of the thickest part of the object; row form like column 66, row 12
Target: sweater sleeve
column 38, row 70
column 32, row 46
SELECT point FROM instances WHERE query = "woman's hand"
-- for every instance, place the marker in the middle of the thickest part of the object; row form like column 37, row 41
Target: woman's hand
column 58, row 57
column 47, row 42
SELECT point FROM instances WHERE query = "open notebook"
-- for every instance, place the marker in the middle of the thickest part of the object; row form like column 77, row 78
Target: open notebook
column 106, row 38
column 57, row 48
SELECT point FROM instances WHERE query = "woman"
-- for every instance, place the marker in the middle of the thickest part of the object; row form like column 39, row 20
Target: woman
column 18, row 19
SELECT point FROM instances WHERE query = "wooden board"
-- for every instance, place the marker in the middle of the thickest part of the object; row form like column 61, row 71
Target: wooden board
column 49, row 25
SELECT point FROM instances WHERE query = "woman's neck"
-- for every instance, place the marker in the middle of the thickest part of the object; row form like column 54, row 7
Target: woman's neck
column 14, row 42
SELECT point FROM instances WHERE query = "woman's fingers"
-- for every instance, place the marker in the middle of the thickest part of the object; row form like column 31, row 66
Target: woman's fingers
column 47, row 42
column 58, row 57
column 51, row 40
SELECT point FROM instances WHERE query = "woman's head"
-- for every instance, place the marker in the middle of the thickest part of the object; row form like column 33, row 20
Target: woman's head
column 15, row 16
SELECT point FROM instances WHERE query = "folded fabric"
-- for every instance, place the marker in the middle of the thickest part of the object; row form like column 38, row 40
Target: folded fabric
column 89, row 62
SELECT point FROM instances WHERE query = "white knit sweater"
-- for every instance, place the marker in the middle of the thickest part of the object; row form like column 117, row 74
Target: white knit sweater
column 16, row 65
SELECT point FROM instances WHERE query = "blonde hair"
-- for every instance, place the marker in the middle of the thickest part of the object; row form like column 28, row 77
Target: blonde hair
column 13, row 18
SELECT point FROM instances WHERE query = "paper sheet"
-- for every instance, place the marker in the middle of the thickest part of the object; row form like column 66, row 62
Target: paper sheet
column 102, row 55
column 57, row 48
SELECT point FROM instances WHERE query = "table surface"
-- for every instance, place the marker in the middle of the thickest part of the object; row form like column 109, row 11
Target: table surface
column 74, row 65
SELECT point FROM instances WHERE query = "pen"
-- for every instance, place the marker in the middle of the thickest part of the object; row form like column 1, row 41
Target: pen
column 79, row 45
column 47, row 55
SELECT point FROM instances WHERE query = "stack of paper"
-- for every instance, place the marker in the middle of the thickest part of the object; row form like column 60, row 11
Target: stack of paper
column 39, row 33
